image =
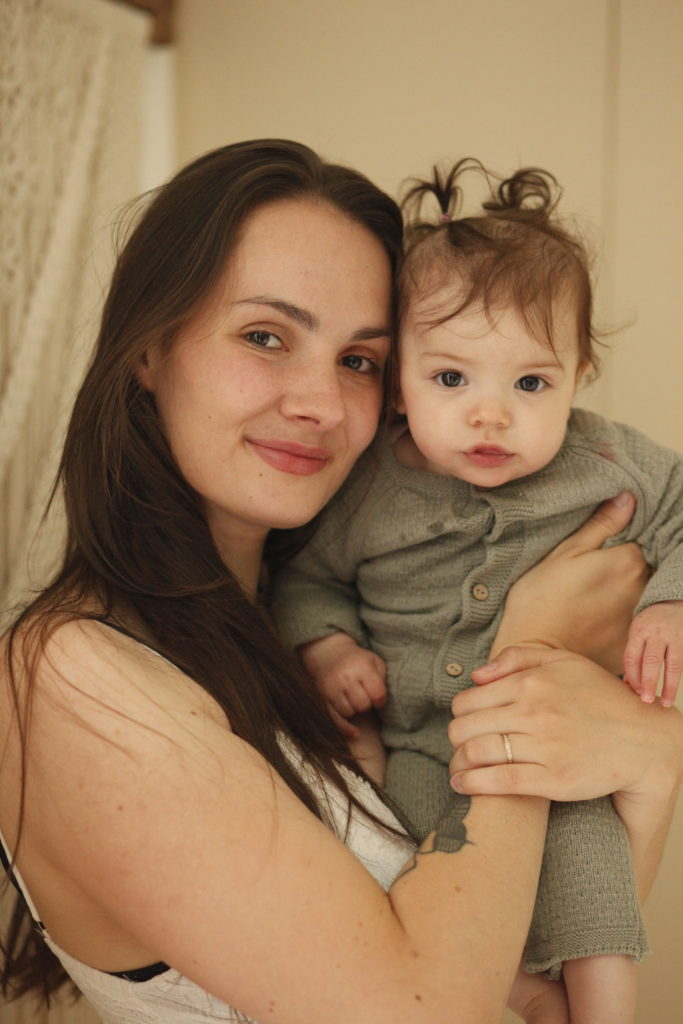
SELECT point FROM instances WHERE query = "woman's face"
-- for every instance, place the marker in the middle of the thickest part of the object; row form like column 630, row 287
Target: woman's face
column 273, row 388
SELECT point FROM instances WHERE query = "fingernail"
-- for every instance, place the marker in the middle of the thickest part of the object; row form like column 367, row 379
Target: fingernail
column 624, row 498
column 456, row 783
column 488, row 667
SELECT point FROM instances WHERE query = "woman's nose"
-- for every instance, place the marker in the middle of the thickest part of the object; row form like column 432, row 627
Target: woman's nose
column 315, row 394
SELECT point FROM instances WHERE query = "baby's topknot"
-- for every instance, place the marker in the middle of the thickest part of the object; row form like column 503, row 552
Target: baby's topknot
column 512, row 251
column 529, row 195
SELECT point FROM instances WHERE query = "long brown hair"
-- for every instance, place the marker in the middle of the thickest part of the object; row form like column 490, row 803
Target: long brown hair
column 138, row 542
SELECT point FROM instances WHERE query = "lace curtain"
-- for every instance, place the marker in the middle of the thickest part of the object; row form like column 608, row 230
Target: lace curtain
column 70, row 83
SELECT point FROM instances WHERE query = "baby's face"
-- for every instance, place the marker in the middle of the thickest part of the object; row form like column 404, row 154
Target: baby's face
column 485, row 402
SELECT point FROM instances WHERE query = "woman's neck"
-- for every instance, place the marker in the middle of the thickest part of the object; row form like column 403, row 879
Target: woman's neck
column 242, row 553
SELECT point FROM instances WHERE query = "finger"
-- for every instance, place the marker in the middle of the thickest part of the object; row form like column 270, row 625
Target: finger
column 349, row 731
column 503, row 780
column 651, row 667
column 343, row 704
column 673, row 668
column 491, row 721
column 513, row 659
column 608, row 519
column 499, row 694
column 633, row 658
column 375, row 687
column 359, row 700
column 489, row 750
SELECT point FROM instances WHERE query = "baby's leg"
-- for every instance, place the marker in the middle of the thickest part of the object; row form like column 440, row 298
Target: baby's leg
column 420, row 786
column 601, row 989
column 587, row 903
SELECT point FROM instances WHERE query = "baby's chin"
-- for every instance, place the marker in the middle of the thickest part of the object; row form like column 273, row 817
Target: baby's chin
column 488, row 477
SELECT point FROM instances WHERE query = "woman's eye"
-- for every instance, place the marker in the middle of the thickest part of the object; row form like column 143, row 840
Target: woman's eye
column 531, row 384
column 451, row 379
column 361, row 364
column 264, row 339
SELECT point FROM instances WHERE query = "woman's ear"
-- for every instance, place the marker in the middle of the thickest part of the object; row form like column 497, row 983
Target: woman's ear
column 145, row 370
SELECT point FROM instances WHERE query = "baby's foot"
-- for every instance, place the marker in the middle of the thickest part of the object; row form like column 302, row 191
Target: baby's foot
column 539, row 1001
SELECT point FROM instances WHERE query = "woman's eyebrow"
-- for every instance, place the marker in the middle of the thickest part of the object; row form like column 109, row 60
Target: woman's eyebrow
column 310, row 320
column 368, row 333
column 296, row 313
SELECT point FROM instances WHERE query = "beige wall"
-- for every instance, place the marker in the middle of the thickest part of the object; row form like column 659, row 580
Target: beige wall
column 592, row 90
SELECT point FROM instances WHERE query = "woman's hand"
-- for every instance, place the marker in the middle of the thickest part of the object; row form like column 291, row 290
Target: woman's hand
column 581, row 596
column 575, row 732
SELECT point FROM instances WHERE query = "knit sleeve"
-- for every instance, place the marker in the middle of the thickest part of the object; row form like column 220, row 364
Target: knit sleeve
column 661, row 524
column 315, row 594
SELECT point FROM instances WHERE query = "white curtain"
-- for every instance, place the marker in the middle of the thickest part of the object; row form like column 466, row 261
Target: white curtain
column 70, row 100
column 70, row 85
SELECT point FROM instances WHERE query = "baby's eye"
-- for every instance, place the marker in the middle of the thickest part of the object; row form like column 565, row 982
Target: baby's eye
column 451, row 379
column 264, row 339
column 361, row 364
column 531, row 383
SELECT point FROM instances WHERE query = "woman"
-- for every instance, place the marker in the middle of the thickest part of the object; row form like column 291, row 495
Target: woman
column 180, row 823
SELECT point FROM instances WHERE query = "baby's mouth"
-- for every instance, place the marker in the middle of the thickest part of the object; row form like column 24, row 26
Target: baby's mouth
column 487, row 455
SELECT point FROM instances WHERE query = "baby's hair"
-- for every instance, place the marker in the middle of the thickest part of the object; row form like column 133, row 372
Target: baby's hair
column 516, row 252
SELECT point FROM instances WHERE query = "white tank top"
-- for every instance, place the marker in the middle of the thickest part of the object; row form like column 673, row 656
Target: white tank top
column 171, row 998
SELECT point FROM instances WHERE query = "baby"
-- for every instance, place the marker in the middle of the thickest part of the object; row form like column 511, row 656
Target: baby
column 398, row 596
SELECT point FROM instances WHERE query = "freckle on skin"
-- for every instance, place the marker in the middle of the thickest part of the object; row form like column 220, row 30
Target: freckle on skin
column 418, row 998
column 120, row 807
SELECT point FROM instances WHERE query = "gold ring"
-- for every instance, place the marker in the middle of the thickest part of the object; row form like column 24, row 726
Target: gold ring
column 508, row 748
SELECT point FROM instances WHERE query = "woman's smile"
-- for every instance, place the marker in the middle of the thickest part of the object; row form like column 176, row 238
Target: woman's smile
column 289, row 457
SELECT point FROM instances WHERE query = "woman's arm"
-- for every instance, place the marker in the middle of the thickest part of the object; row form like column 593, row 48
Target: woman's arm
column 581, row 596
column 152, row 832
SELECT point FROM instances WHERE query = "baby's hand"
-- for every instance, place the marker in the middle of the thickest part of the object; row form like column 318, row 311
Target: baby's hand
column 351, row 678
column 655, row 637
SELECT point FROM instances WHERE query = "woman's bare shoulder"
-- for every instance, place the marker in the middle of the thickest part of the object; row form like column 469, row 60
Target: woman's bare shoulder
column 91, row 671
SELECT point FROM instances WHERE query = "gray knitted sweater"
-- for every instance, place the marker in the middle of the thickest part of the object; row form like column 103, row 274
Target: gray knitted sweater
column 417, row 566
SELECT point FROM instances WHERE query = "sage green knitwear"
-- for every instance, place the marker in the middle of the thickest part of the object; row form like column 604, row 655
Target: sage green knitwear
column 585, row 903
column 417, row 566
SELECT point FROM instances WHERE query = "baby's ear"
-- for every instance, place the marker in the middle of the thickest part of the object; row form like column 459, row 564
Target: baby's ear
column 585, row 373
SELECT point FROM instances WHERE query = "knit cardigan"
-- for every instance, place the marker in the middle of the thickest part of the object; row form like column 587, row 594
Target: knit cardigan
column 416, row 566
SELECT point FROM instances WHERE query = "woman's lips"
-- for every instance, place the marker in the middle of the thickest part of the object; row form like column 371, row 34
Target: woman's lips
column 289, row 457
column 488, row 456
